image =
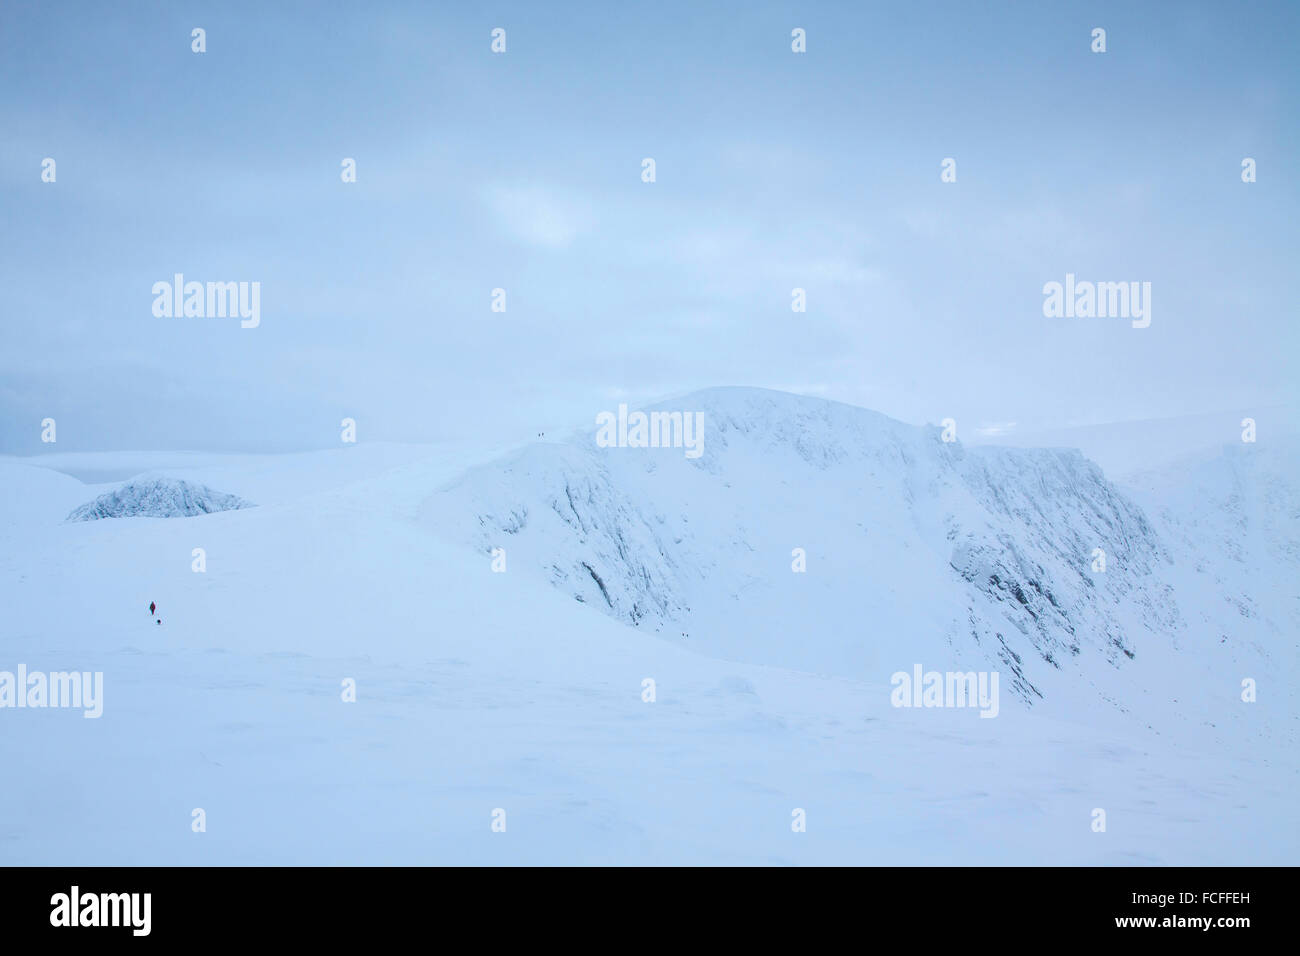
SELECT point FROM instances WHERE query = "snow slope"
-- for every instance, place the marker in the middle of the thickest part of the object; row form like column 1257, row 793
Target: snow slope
column 479, row 690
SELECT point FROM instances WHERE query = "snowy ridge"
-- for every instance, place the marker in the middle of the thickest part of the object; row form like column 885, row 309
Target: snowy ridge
column 980, row 556
column 1027, row 552
column 1236, row 514
column 157, row 498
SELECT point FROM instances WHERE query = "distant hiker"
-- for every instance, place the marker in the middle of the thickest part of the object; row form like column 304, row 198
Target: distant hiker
column 152, row 608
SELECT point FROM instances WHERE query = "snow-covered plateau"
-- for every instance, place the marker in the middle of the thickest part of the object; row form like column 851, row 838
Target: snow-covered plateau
column 629, row 655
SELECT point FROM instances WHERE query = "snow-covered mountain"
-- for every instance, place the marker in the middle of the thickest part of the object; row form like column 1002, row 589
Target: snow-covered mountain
column 1027, row 561
column 157, row 497
column 371, row 566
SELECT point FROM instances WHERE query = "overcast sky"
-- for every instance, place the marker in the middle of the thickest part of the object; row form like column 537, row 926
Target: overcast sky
column 522, row 171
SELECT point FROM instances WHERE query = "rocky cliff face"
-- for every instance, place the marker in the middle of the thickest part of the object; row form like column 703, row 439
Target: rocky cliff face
column 157, row 498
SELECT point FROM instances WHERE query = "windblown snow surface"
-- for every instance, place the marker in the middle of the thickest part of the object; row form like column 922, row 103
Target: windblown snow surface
column 524, row 691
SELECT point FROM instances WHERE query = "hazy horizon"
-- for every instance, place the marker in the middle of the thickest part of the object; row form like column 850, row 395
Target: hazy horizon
column 522, row 171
